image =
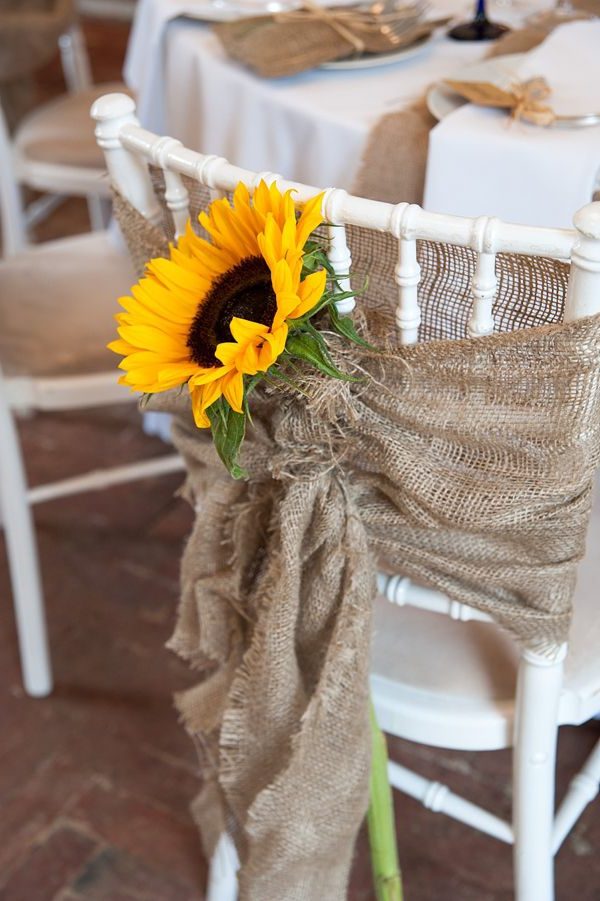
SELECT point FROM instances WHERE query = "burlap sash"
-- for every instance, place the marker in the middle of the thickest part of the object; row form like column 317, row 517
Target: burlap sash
column 464, row 464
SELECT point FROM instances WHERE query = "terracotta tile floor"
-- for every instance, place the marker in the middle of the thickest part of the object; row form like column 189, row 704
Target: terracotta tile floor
column 95, row 781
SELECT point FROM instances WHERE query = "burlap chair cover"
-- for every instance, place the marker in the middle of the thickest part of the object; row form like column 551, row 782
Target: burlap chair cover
column 466, row 464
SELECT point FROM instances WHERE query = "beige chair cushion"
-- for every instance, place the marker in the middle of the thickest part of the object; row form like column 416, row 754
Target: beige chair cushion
column 57, row 306
column 61, row 131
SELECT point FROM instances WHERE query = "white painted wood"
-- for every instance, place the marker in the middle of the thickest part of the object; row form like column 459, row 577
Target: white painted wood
column 176, row 195
column 127, row 171
column 108, row 9
column 350, row 210
column 485, row 283
column 582, row 790
column 407, row 272
column 18, row 168
column 222, row 879
column 338, row 252
column 437, row 797
column 12, row 217
column 65, row 392
column 534, row 760
column 103, row 478
column 99, row 220
column 584, row 284
column 22, row 557
column 75, row 61
column 400, row 590
column 42, row 207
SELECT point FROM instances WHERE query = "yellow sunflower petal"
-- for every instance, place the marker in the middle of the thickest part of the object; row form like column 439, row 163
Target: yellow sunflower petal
column 249, row 359
column 310, row 293
column 310, row 219
column 120, row 347
column 245, row 330
column 212, row 392
column 227, row 352
column 200, row 418
column 286, row 304
column 233, row 390
column 273, row 347
column 205, row 376
column 149, row 338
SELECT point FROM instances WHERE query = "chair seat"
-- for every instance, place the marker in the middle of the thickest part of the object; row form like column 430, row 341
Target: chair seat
column 57, row 306
column 60, row 134
column 452, row 684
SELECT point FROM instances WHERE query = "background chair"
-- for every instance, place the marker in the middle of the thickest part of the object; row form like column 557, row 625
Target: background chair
column 477, row 691
column 57, row 303
column 53, row 150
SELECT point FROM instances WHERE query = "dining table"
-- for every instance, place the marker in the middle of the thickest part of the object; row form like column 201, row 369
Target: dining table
column 315, row 126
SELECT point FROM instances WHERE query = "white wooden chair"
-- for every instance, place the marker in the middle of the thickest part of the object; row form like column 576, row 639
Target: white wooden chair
column 57, row 303
column 53, row 150
column 478, row 691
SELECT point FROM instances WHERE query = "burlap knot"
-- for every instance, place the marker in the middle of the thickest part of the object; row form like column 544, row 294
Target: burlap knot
column 522, row 98
column 465, row 465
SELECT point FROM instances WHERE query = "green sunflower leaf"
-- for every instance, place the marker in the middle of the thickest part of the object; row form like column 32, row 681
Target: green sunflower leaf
column 344, row 326
column 228, row 429
column 310, row 347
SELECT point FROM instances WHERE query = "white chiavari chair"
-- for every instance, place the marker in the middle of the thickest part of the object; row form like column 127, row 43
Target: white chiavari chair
column 57, row 303
column 483, row 693
column 53, row 150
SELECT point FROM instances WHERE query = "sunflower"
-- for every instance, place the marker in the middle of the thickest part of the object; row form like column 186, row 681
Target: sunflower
column 218, row 310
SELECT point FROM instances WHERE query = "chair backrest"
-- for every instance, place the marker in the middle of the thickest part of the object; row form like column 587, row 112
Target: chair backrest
column 129, row 149
column 78, row 77
column 482, row 250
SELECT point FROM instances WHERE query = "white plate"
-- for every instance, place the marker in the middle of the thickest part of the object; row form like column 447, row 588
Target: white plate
column 372, row 60
column 442, row 100
column 228, row 11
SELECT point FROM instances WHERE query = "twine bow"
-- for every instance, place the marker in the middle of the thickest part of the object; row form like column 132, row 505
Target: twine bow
column 341, row 21
column 523, row 99
column 528, row 96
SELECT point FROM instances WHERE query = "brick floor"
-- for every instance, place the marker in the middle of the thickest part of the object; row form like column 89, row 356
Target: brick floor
column 95, row 782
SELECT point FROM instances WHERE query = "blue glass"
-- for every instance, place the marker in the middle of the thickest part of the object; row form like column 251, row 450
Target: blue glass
column 480, row 29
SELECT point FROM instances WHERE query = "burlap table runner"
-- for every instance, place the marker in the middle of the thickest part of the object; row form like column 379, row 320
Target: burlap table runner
column 29, row 32
column 466, row 464
column 395, row 159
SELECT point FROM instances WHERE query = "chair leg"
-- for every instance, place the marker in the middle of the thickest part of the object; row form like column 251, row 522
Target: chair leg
column 583, row 789
column 99, row 213
column 534, row 758
column 222, row 880
column 22, row 558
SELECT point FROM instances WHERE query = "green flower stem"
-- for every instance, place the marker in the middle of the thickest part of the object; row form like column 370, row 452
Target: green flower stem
column 380, row 821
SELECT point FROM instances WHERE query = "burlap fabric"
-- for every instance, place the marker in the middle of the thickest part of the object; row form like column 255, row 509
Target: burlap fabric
column 395, row 158
column 464, row 464
column 288, row 43
column 29, row 31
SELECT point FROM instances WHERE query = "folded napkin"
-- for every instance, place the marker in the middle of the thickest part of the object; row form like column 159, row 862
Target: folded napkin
column 527, row 91
column 480, row 163
column 569, row 60
column 292, row 42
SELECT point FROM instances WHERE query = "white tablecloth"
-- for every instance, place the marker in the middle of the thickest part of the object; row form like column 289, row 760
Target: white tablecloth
column 312, row 127
column 480, row 163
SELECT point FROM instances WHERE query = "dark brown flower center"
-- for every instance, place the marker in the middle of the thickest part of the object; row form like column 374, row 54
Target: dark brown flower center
column 244, row 291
